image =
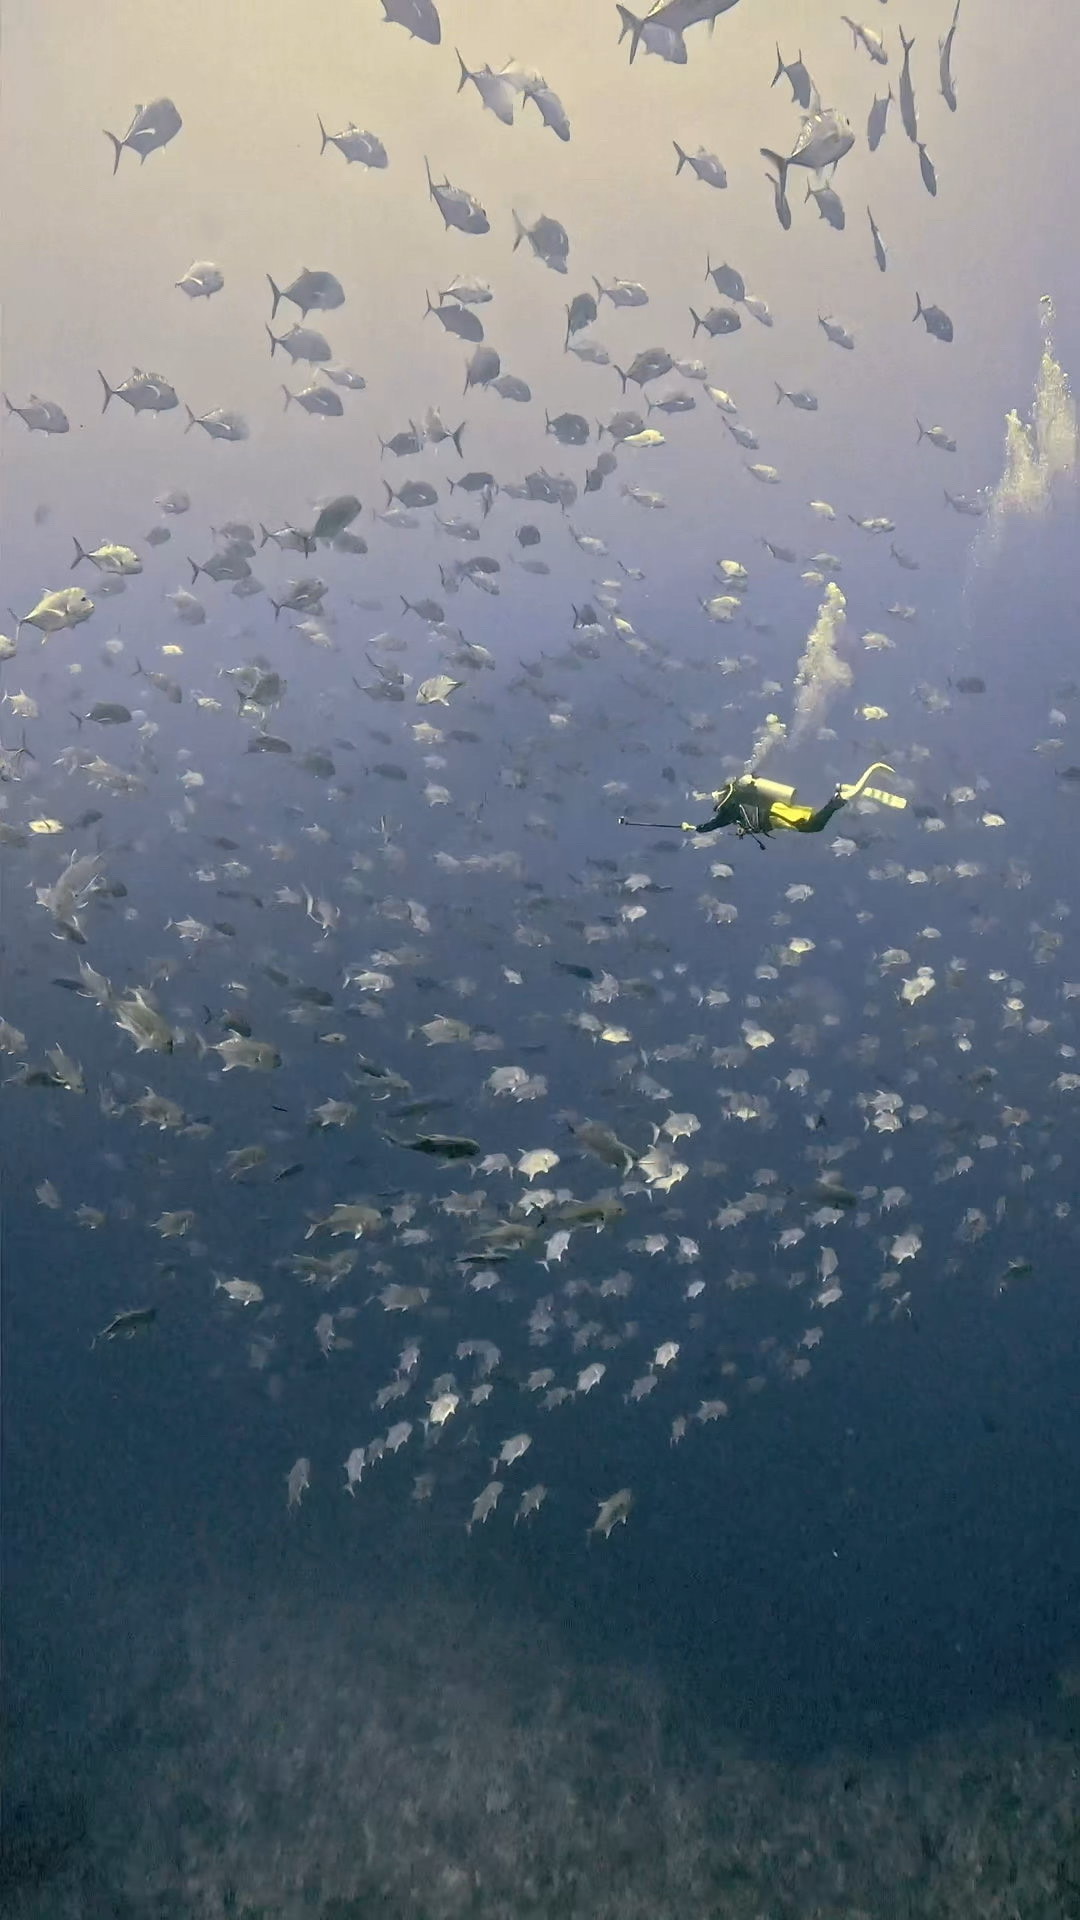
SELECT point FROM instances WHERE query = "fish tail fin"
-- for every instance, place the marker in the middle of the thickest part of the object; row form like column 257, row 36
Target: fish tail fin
column 779, row 392
column 77, row 717
column 780, row 67
column 389, row 493
column 918, row 423
column 430, row 181
column 682, row 160
column 599, row 288
column 519, row 231
column 276, row 291
column 265, row 535
column 781, row 166
column 118, row 147
column 80, row 554
column 288, row 397
column 109, row 391
column 918, row 309
column 190, row 419
column 456, row 438
column 195, row 569
column 465, row 74
column 637, row 28
column 623, row 377
column 696, row 318
column 325, row 135
column 8, row 404
column 906, row 44
column 276, row 604
column 274, row 341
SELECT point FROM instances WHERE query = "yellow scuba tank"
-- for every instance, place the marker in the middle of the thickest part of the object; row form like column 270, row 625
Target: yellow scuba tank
column 771, row 790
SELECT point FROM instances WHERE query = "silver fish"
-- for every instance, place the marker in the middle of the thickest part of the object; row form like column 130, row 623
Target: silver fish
column 825, row 138
column 457, row 207
column 908, row 113
column 548, row 239
column 926, row 168
column 705, row 165
column 41, row 416
column 868, row 38
column 315, row 399
column 718, row 320
column 143, row 392
column 838, row 334
column 677, row 15
column 948, row 90
column 876, row 121
column 301, row 343
column 221, row 423
column 311, row 289
column 419, row 18
column 879, row 244
column 934, row 319
column 201, row 280
column 356, row 145
column 802, row 87
column 151, row 127
column 829, row 206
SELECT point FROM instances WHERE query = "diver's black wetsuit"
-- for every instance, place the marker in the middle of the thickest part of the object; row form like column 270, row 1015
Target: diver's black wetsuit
column 750, row 812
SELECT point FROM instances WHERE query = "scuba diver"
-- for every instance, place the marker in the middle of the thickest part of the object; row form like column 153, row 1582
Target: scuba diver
column 757, row 808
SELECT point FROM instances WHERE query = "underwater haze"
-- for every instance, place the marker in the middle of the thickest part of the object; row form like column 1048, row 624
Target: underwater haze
column 540, row 1320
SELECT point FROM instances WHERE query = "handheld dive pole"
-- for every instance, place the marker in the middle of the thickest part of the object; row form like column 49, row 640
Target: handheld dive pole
column 666, row 826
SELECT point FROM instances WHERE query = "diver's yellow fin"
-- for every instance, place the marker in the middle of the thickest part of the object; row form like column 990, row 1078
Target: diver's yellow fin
column 883, row 799
column 858, row 786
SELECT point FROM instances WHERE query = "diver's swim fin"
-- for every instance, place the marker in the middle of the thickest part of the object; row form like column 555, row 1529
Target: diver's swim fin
column 859, row 786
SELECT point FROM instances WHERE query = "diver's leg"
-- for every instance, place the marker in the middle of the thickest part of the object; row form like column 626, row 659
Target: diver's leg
column 816, row 821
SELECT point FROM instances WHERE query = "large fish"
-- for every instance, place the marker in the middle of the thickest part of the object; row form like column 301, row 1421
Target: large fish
column 825, row 138
column 676, row 16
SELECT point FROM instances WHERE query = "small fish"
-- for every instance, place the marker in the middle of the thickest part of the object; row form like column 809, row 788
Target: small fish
column 838, row 334
column 728, row 281
column 316, row 400
column 497, row 92
column 334, row 517
column 356, row 145
column 666, row 42
column 446, row 1146
column 346, row 377
column 934, row 319
column 879, row 244
column 109, row 559
column 312, row 289
column 948, row 90
column 868, row 38
column 805, row 401
column 151, row 127
column 829, row 205
column 41, row 416
column 221, row 423
column 143, row 392
column 301, row 343
column 802, row 87
column 124, row 1326
column 623, row 293
column 569, row 429
column 420, row 19
column 937, row 436
column 904, row 559
column 783, row 211
column 706, row 166
column 876, row 122
column 549, row 107
column 415, row 493
column 456, row 319
column 718, row 320
column 965, row 503
column 469, row 292
column 403, row 444
column 458, row 208
column 548, row 239
column 201, row 280
column 109, row 713
column 926, row 168
column 908, row 113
